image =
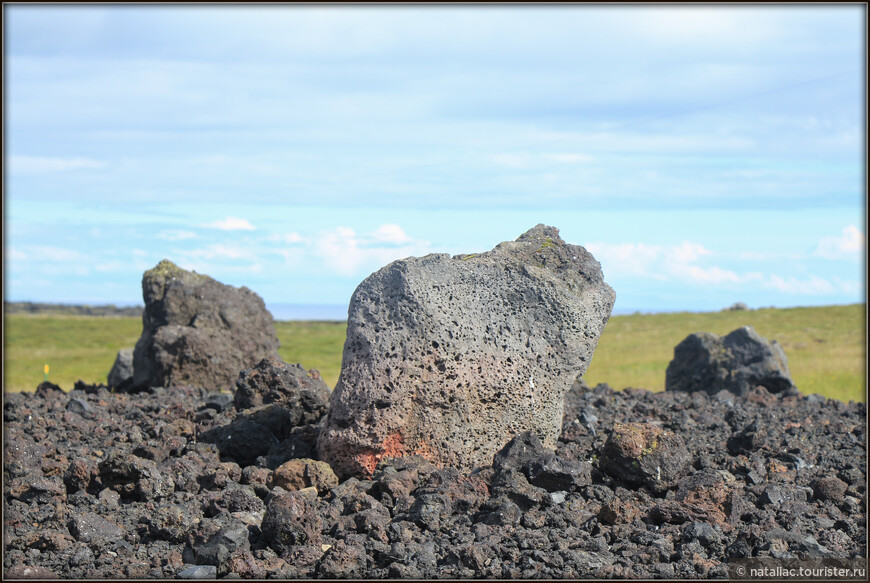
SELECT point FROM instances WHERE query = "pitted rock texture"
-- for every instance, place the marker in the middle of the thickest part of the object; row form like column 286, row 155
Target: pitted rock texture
column 197, row 331
column 737, row 363
column 274, row 381
column 450, row 357
column 802, row 496
column 639, row 453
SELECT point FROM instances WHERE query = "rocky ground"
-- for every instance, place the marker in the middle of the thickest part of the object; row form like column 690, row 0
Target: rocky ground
column 160, row 484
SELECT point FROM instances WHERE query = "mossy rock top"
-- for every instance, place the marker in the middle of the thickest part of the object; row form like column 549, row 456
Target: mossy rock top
column 166, row 270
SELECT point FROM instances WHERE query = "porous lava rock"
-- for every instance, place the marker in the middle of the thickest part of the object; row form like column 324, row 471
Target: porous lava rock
column 197, row 331
column 802, row 495
column 646, row 455
column 302, row 473
column 290, row 520
column 737, row 363
column 450, row 357
column 272, row 380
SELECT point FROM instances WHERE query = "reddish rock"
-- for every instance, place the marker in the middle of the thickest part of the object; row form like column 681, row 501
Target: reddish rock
column 79, row 474
column 243, row 563
column 702, row 498
column 619, row 511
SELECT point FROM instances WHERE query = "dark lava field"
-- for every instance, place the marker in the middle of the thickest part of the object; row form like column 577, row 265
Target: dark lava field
column 177, row 484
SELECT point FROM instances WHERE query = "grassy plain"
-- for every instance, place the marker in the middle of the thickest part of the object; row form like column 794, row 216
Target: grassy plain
column 825, row 346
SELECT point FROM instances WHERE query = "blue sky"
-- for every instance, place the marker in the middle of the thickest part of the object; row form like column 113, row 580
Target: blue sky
column 704, row 154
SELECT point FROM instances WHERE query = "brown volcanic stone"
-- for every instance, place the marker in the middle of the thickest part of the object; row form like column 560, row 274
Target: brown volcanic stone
column 643, row 454
column 450, row 357
column 702, row 497
column 829, row 488
column 304, row 473
column 197, row 331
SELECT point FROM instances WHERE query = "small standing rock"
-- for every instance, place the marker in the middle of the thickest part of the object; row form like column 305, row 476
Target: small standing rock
column 738, row 363
column 197, row 331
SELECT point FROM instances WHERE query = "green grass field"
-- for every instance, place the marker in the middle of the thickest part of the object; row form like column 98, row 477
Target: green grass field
column 825, row 346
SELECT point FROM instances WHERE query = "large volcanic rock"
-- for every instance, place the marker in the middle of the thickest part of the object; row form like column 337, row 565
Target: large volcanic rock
column 197, row 331
column 737, row 363
column 450, row 357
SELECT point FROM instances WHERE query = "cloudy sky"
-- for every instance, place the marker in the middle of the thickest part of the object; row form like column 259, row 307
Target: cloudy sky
column 705, row 155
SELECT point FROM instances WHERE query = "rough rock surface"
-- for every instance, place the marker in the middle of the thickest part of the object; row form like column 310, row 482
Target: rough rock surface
column 274, row 381
column 450, row 357
column 81, row 502
column 121, row 375
column 642, row 454
column 737, row 363
column 197, row 331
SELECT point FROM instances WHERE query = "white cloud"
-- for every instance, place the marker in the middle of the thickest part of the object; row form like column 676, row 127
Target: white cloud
column 705, row 275
column 625, row 258
column 219, row 251
column 526, row 160
column 349, row 254
column 177, row 235
column 112, row 266
column 14, row 254
column 663, row 262
column 687, row 252
column 703, row 25
column 231, row 224
column 286, row 238
column 852, row 288
column 847, row 246
column 812, row 285
column 767, row 256
column 391, row 233
column 36, row 254
column 291, row 256
column 41, row 165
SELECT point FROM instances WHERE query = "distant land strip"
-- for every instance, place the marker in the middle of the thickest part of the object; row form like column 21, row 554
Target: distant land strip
column 70, row 309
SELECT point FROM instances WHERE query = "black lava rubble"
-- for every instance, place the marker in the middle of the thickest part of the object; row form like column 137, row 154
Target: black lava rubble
column 180, row 484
